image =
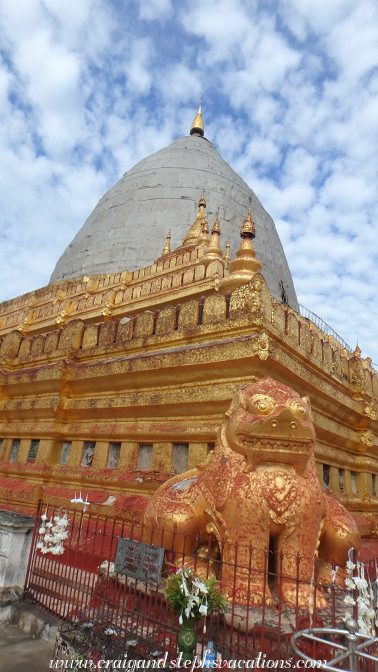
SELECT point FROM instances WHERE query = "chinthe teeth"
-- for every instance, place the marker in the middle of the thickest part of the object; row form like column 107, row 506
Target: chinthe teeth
column 272, row 445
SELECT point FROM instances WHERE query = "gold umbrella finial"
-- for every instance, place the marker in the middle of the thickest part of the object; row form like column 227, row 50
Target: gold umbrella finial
column 197, row 127
column 227, row 256
column 245, row 265
column 216, row 226
column 167, row 246
column 213, row 250
column 248, row 227
column 196, row 230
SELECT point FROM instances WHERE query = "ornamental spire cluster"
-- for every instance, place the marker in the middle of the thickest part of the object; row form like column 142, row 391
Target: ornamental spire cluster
column 245, row 265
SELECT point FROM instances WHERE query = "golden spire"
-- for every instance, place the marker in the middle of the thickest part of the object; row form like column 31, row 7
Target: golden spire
column 227, row 256
column 244, row 267
column 205, row 236
column 216, row 227
column 195, row 232
column 248, row 226
column 357, row 351
column 197, row 127
column 213, row 251
column 167, row 246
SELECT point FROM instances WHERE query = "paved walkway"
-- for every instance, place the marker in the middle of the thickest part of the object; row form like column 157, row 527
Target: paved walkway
column 19, row 652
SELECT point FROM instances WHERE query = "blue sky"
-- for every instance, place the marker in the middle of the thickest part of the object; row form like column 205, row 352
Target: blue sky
column 89, row 87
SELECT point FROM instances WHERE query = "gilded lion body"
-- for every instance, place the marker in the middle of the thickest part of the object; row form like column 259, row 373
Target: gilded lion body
column 259, row 484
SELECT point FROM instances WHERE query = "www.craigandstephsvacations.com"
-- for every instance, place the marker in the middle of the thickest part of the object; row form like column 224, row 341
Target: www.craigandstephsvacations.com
column 260, row 662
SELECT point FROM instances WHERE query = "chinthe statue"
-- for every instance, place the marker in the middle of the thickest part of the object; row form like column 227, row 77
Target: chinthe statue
column 258, row 484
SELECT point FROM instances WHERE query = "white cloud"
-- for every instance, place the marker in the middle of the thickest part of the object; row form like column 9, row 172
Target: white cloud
column 290, row 100
column 154, row 9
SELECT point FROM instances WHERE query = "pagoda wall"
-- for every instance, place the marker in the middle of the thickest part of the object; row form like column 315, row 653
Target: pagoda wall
column 155, row 385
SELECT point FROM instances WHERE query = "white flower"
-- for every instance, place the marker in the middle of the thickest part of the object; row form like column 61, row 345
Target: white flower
column 203, row 609
column 181, row 620
column 184, row 587
column 350, row 566
column 360, row 583
column 349, row 583
column 200, row 586
column 348, row 600
column 42, row 530
column 49, row 524
column 192, row 601
column 110, row 631
column 43, row 517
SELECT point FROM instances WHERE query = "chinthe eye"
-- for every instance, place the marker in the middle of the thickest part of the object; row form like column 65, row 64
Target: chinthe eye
column 261, row 404
column 298, row 408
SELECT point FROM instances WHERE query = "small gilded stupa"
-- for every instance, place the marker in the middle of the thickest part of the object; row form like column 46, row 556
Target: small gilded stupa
column 213, row 251
column 199, row 228
column 245, row 265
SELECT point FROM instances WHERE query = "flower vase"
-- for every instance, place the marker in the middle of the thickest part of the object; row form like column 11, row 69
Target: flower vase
column 187, row 638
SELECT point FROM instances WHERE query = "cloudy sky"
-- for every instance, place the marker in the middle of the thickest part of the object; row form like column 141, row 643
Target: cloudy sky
column 89, row 87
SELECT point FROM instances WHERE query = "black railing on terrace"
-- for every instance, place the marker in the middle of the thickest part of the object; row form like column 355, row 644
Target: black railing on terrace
column 80, row 585
column 312, row 317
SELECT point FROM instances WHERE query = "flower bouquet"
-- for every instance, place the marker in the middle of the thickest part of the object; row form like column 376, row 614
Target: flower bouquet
column 52, row 534
column 192, row 598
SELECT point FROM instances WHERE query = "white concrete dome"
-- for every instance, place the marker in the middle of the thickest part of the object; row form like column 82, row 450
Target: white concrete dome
column 128, row 227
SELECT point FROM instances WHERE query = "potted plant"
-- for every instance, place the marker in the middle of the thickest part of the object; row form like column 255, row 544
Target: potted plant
column 192, row 597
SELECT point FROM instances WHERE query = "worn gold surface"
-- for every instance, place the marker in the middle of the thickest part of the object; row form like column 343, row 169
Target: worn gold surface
column 259, row 483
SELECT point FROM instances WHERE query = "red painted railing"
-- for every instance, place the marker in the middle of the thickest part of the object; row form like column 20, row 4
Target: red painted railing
column 81, row 586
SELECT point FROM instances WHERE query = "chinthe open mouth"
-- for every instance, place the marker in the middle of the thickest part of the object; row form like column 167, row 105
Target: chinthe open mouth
column 254, row 443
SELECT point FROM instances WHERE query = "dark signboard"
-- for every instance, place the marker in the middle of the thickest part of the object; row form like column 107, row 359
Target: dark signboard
column 138, row 560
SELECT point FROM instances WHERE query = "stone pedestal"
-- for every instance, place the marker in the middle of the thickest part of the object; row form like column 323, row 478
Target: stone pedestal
column 16, row 533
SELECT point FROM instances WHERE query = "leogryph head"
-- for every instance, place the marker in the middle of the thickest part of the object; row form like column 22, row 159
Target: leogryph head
column 270, row 422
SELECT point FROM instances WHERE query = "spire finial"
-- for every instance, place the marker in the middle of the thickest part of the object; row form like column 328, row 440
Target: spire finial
column 197, row 127
column 248, row 227
column 167, row 246
column 202, row 202
column 227, row 256
column 216, row 227
column 213, row 250
column 245, row 265
column 357, row 350
column 196, row 230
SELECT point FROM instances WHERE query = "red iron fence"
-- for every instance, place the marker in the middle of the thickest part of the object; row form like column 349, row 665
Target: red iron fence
column 81, row 586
